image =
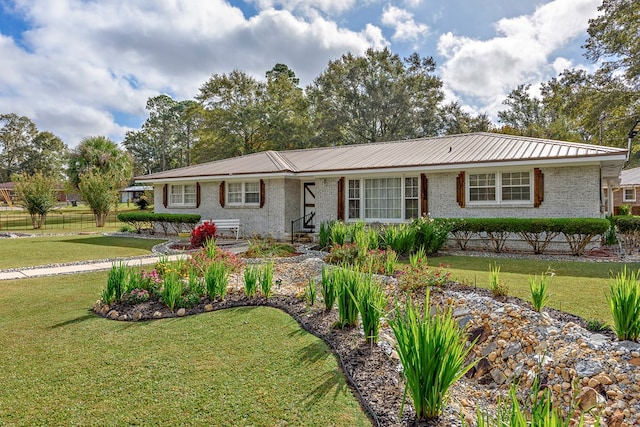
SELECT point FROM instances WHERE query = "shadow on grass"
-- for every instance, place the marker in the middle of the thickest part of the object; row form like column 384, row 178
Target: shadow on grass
column 89, row 316
column 312, row 353
column 330, row 382
column 122, row 242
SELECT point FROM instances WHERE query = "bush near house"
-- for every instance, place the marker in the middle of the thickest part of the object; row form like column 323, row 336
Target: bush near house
column 140, row 220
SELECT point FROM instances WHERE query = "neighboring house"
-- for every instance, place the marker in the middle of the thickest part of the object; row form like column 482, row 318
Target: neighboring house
column 627, row 191
column 132, row 194
column 7, row 193
column 468, row 175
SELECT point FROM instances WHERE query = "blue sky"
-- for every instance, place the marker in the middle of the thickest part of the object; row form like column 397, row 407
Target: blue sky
column 80, row 68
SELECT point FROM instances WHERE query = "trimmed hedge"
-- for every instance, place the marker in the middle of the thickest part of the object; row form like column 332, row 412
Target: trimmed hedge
column 538, row 232
column 141, row 220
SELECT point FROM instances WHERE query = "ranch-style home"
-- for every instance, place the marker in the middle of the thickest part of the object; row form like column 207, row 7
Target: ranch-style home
column 458, row 176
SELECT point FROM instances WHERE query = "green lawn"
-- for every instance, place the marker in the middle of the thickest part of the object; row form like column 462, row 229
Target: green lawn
column 62, row 365
column 32, row 251
column 577, row 287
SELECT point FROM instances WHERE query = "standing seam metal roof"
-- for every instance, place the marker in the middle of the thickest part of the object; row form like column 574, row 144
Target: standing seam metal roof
column 470, row 148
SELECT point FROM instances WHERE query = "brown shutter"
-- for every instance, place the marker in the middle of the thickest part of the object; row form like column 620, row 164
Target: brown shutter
column 341, row 199
column 261, row 193
column 222, row 194
column 460, row 196
column 197, row 194
column 165, row 195
column 424, row 202
column 538, row 187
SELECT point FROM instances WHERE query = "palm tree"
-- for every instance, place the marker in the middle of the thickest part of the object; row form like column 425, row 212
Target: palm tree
column 99, row 154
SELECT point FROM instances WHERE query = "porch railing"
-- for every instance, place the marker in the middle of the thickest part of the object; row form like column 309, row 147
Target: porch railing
column 297, row 224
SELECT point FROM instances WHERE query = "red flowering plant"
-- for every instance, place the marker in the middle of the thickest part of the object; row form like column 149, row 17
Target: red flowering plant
column 420, row 276
column 203, row 233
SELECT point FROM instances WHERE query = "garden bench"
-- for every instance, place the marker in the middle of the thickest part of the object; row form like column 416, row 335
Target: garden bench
column 227, row 224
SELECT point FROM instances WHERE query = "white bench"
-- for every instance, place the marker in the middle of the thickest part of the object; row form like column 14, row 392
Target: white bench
column 226, row 224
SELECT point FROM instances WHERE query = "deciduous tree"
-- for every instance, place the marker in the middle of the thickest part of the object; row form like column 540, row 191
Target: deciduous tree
column 36, row 194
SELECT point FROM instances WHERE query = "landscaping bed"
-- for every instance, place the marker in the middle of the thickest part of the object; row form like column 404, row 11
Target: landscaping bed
column 513, row 342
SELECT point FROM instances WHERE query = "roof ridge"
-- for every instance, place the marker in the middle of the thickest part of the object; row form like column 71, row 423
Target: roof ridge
column 280, row 161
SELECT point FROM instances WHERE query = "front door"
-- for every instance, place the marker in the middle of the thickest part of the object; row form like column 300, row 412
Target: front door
column 309, row 205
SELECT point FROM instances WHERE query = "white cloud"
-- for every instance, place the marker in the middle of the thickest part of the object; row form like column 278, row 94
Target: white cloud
column 406, row 28
column 309, row 7
column 88, row 63
column 521, row 53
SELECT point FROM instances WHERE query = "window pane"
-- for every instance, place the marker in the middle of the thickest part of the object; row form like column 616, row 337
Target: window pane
column 175, row 198
column 383, row 198
column 482, row 187
column 234, row 190
column 353, row 199
column 190, row 194
column 252, row 192
column 516, row 186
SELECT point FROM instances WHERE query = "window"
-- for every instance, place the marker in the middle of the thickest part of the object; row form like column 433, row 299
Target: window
column 411, row 202
column 482, row 187
column 498, row 187
column 383, row 199
column 630, row 194
column 243, row 193
column 182, row 195
column 353, row 199
column 516, row 186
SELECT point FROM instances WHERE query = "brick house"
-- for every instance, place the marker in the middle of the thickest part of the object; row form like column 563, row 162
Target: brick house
column 457, row 176
column 627, row 191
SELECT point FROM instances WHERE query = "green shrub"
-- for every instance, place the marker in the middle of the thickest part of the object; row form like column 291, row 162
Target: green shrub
column 539, row 291
column 142, row 219
column 401, row 238
column 171, row 290
column 498, row 289
column 432, row 350
column 371, row 302
column 624, row 302
column 251, row 277
column 431, row 234
column 338, row 233
column 266, row 279
column 347, row 282
column 624, row 210
column 329, row 292
column 116, row 282
column 216, row 279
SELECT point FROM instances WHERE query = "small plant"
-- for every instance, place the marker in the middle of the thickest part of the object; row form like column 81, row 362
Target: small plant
column 539, row 291
column 347, row 282
column 266, row 279
column 597, row 325
column 371, row 302
column 624, row 210
column 115, row 283
column 498, row 289
column 412, row 279
column 251, row 277
column 338, row 233
column 127, row 229
column 624, row 302
column 390, row 260
column 418, row 257
column 216, row 278
column 310, row 292
column 432, row 350
column 203, row 233
column 324, row 234
column 329, row 291
column 172, row 290
column 135, row 296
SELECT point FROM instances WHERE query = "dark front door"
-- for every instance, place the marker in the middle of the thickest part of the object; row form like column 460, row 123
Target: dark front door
column 309, row 205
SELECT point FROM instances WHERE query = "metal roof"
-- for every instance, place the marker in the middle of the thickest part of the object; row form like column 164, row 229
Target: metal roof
column 455, row 150
column 630, row 177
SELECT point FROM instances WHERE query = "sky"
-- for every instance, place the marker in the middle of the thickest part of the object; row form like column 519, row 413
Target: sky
column 81, row 68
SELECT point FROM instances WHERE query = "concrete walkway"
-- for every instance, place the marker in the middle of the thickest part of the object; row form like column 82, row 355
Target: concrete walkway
column 27, row 272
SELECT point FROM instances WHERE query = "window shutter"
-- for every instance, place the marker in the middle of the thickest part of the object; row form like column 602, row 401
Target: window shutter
column 424, row 202
column 165, row 195
column 341, row 199
column 538, row 187
column 262, row 193
column 222, row 194
column 460, row 196
column 197, row 194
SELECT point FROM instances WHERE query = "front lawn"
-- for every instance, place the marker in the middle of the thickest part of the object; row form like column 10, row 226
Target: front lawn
column 576, row 287
column 63, row 365
column 33, row 251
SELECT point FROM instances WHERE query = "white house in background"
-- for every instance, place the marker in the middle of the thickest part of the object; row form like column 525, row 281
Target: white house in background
column 458, row 176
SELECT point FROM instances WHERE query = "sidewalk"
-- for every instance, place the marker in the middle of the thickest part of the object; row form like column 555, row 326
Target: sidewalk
column 27, row 272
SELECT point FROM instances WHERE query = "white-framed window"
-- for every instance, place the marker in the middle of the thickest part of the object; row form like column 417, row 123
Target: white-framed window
column 383, row 199
column 353, row 199
column 182, row 195
column 243, row 193
column 500, row 187
column 629, row 194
